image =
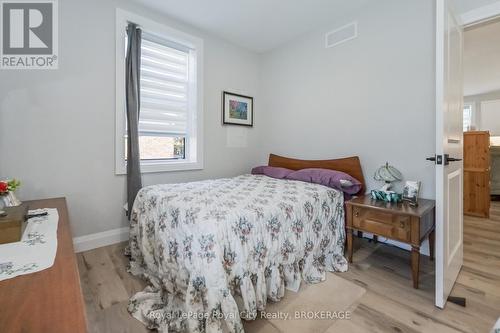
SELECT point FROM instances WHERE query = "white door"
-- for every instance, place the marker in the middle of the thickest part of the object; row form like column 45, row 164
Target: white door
column 449, row 142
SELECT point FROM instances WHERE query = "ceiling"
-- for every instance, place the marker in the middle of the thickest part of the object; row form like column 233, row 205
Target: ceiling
column 467, row 5
column 482, row 59
column 258, row 25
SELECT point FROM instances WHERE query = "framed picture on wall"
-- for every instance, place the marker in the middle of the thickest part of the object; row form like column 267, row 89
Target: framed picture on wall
column 237, row 109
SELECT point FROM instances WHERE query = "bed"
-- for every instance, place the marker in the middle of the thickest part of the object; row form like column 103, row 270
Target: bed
column 216, row 251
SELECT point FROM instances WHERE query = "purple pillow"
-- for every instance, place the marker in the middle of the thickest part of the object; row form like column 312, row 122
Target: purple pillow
column 335, row 179
column 258, row 170
column 273, row 172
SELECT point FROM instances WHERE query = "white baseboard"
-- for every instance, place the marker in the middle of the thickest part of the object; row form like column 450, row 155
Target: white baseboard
column 100, row 239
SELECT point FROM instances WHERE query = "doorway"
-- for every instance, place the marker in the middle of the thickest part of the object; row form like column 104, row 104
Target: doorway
column 481, row 117
column 453, row 242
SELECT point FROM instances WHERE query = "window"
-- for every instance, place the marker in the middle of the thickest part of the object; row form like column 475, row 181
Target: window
column 170, row 120
column 467, row 117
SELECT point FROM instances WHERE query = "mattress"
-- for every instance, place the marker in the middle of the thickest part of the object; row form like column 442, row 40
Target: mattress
column 216, row 251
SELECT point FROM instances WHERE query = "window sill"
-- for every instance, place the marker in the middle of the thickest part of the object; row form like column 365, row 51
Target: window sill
column 156, row 167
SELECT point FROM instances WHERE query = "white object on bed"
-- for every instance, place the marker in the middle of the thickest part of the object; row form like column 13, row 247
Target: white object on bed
column 200, row 244
column 345, row 183
column 37, row 249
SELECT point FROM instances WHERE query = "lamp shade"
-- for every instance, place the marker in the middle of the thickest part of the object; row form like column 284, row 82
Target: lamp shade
column 387, row 173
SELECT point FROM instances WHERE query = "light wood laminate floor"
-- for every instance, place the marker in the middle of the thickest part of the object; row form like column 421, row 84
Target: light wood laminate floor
column 390, row 304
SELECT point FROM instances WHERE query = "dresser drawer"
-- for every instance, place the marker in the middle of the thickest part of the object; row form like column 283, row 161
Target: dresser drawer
column 382, row 223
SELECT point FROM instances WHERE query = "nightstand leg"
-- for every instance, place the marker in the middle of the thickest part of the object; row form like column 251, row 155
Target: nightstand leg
column 432, row 240
column 415, row 262
column 349, row 245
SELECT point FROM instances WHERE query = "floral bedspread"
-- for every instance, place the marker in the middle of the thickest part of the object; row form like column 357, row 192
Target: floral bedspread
column 215, row 251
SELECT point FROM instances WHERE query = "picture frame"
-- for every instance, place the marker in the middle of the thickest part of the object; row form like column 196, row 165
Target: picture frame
column 411, row 190
column 237, row 109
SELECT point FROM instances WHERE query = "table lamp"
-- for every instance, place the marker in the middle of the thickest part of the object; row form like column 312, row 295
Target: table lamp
column 388, row 174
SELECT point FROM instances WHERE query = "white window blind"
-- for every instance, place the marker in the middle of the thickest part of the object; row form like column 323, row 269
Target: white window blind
column 164, row 88
column 171, row 112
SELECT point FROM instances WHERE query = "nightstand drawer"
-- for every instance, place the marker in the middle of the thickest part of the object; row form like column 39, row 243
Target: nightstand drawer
column 382, row 223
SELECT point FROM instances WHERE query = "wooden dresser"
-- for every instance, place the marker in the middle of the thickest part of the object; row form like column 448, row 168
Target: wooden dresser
column 50, row 300
column 400, row 222
column 477, row 173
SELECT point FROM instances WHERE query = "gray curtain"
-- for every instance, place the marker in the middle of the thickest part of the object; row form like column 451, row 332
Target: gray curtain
column 132, row 89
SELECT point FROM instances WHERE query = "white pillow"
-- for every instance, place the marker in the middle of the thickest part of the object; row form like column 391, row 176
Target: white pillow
column 345, row 183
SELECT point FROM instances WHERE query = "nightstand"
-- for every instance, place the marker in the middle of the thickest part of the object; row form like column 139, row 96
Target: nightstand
column 400, row 222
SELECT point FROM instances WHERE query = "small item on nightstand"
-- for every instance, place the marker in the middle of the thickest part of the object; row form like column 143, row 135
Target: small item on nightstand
column 388, row 174
column 411, row 191
column 12, row 225
column 7, row 196
column 29, row 216
column 387, row 196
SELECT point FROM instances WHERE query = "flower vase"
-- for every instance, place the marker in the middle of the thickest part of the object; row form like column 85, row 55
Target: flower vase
column 3, row 201
column 10, row 199
column 2, row 205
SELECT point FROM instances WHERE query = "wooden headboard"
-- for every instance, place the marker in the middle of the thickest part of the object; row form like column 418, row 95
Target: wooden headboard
column 349, row 165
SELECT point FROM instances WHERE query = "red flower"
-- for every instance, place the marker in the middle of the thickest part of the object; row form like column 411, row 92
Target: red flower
column 4, row 187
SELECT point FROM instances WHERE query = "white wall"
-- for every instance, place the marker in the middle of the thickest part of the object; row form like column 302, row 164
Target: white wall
column 57, row 127
column 372, row 96
column 482, row 59
column 490, row 117
column 476, row 101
